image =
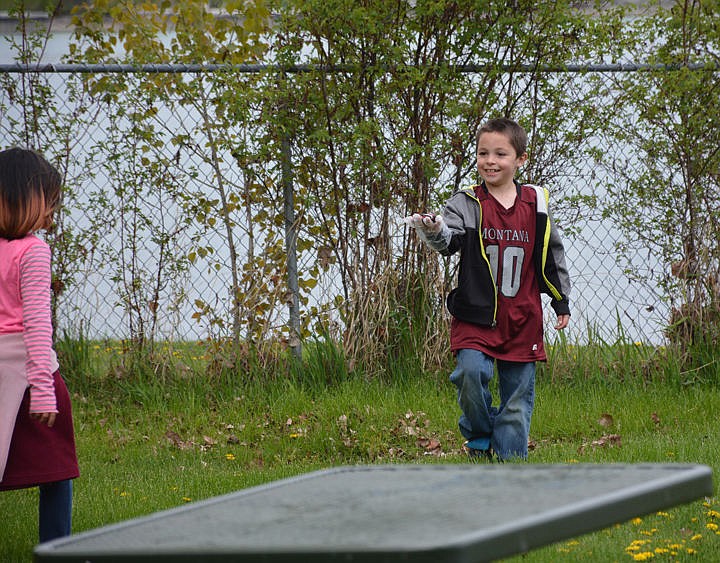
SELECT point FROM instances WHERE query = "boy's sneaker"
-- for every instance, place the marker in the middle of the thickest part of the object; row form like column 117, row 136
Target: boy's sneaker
column 478, row 449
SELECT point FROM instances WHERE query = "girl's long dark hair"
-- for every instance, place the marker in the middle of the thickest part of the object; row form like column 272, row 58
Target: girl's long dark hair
column 29, row 192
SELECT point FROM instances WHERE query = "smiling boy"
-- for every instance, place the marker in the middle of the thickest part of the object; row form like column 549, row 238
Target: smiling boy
column 510, row 253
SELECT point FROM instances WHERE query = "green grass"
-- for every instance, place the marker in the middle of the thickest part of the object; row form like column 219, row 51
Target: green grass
column 156, row 437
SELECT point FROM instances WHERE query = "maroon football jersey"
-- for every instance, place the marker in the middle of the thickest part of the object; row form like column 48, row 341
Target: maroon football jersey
column 508, row 236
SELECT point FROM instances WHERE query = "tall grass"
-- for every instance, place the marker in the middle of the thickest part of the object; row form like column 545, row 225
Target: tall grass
column 162, row 428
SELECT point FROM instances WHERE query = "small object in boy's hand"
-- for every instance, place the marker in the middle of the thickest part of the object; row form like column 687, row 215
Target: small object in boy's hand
column 426, row 222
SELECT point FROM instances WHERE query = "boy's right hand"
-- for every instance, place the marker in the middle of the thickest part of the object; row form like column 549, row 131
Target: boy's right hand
column 426, row 222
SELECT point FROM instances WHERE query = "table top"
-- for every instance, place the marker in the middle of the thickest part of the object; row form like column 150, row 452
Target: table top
column 455, row 512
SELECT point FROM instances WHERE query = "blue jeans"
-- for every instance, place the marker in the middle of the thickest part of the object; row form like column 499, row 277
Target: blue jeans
column 508, row 425
column 55, row 510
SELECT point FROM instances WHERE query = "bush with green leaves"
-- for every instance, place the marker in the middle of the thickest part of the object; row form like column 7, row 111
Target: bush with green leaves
column 367, row 112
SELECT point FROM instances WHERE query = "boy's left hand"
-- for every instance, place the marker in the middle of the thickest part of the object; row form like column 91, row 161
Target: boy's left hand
column 562, row 322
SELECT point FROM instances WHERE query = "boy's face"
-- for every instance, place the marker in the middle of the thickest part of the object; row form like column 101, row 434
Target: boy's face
column 497, row 160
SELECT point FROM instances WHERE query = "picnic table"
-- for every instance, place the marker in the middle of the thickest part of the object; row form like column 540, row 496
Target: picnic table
column 376, row 513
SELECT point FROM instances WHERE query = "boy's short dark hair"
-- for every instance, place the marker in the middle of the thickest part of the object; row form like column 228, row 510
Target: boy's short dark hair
column 514, row 131
column 29, row 192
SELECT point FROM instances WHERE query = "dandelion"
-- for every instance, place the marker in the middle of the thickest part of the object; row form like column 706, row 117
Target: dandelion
column 691, row 551
column 186, row 499
column 696, row 537
column 124, row 494
column 640, row 542
column 663, row 514
column 713, row 513
column 712, row 526
column 230, row 457
column 661, row 550
column 644, row 556
column 636, row 521
column 636, row 545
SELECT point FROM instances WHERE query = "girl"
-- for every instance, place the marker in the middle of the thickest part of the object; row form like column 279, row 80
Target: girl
column 37, row 444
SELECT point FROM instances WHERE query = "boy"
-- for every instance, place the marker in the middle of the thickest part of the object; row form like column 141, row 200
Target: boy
column 510, row 252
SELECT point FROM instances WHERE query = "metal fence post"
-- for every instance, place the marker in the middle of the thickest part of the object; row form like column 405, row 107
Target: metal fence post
column 291, row 247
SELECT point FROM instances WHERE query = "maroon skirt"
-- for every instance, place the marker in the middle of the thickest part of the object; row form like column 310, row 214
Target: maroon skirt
column 39, row 454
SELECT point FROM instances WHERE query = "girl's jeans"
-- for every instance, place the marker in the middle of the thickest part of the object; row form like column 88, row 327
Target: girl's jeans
column 508, row 425
column 55, row 510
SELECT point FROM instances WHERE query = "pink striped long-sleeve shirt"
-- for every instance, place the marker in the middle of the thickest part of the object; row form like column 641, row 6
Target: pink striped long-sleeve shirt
column 25, row 307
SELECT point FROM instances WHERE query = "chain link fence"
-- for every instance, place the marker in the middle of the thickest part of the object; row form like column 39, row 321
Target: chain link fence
column 177, row 226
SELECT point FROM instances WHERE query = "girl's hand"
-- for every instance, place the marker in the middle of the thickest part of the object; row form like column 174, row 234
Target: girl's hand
column 562, row 322
column 47, row 418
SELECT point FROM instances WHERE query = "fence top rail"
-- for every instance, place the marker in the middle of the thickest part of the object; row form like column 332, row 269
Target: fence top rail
column 300, row 68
